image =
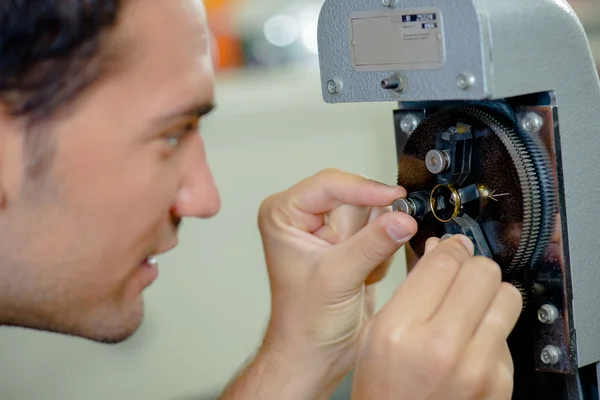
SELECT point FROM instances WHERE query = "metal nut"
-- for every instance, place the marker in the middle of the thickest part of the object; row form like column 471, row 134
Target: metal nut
column 547, row 314
column 550, row 355
column 387, row 3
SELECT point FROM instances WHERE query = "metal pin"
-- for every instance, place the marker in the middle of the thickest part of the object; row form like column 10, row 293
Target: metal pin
column 493, row 196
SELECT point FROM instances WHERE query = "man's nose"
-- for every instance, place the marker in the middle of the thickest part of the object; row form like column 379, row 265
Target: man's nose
column 198, row 195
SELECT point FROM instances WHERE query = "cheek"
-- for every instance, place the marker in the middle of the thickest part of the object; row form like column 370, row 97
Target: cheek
column 121, row 195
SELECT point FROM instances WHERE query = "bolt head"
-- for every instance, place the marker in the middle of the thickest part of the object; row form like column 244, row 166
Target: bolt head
column 408, row 124
column 465, row 81
column 333, row 87
column 532, row 122
column 547, row 314
column 387, row 3
column 550, row 355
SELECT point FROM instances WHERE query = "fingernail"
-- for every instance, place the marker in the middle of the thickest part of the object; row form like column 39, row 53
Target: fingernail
column 397, row 231
column 446, row 236
column 467, row 243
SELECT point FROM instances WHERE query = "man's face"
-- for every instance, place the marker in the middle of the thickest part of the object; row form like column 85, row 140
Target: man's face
column 127, row 165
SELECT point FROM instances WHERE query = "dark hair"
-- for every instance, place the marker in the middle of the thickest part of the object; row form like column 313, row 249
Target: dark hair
column 49, row 52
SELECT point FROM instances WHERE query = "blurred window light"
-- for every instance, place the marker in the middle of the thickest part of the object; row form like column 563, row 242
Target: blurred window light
column 281, row 30
column 309, row 37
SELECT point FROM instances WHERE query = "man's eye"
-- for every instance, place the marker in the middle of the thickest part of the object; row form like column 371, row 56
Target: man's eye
column 175, row 136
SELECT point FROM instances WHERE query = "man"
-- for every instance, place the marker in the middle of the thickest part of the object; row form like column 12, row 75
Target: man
column 101, row 160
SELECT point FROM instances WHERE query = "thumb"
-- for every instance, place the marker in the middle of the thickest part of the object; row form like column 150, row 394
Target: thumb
column 358, row 256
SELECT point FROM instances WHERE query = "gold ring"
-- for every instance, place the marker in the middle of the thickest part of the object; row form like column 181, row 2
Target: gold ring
column 433, row 202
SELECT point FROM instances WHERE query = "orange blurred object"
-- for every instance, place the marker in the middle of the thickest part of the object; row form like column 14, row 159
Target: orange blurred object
column 228, row 48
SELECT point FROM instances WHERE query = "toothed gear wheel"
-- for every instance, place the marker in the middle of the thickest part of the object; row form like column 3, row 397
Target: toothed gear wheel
column 517, row 227
column 519, row 286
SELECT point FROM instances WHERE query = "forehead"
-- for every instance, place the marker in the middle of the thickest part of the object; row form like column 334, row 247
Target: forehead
column 166, row 45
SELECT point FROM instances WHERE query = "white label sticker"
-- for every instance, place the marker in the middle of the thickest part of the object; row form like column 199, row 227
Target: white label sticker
column 397, row 40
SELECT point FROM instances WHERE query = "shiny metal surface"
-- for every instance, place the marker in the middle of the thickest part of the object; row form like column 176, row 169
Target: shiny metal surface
column 539, row 50
column 437, row 161
column 551, row 274
column 494, row 172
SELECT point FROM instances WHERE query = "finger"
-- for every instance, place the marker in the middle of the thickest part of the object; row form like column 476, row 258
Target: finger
column 431, row 244
column 500, row 384
column 506, row 359
column 468, row 298
column 331, row 188
column 501, row 316
column 488, row 350
column 426, row 286
column 477, row 374
column 353, row 260
column 382, row 270
column 411, row 258
column 343, row 222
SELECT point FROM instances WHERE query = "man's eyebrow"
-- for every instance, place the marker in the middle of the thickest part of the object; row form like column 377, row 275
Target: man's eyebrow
column 197, row 111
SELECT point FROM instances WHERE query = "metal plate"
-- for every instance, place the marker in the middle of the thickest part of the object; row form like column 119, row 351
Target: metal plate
column 463, row 57
column 551, row 275
column 397, row 39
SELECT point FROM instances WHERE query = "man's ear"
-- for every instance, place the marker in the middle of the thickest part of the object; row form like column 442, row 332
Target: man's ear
column 11, row 154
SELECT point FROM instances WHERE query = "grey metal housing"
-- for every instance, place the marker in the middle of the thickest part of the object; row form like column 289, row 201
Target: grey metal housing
column 493, row 50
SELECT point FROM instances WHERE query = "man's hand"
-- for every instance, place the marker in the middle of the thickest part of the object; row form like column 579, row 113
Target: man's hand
column 326, row 241
column 443, row 334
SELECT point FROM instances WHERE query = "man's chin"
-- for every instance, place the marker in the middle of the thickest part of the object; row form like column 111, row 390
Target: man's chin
column 101, row 335
column 117, row 329
column 109, row 323
column 106, row 326
column 115, row 336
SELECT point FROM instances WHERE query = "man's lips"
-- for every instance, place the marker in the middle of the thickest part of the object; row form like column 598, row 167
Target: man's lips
column 166, row 249
column 150, row 262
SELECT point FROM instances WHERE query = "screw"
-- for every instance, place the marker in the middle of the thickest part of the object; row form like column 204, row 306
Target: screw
column 550, row 355
column 532, row 123
column 408, row 124
column 465, row 81
column 547, row 314
column 387, row 3
column 333, row 87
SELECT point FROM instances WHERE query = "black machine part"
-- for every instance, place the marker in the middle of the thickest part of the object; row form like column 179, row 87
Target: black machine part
column 473, row 169
column 470, row 170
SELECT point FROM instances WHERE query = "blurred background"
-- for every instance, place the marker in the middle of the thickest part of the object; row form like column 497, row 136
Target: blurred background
column 207, row 312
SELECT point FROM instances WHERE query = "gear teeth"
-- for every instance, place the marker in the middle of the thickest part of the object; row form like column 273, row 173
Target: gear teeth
column 533, row 167
column 528, row 178
column 523, row 292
